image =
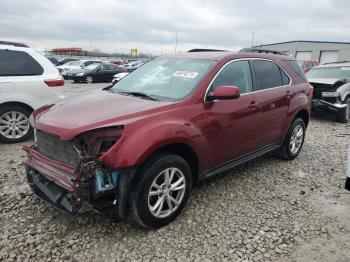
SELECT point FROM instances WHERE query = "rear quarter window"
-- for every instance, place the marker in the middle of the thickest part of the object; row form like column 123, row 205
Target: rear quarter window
column 267, row 73
column 296, row 69
column 18, row 63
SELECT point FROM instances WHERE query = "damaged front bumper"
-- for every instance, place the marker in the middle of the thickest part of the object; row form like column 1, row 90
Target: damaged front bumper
column 325, row 105
column 80, row 189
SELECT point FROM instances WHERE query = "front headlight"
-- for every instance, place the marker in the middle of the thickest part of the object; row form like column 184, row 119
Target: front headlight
column 80, row 74
column 330, row 94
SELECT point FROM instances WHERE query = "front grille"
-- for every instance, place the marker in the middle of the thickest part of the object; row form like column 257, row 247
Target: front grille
column 54, row 148
column 319, row 88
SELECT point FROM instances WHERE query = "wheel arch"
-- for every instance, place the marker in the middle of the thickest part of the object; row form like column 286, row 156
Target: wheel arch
column 183, row 150
column 304, row 115
column 20, row 104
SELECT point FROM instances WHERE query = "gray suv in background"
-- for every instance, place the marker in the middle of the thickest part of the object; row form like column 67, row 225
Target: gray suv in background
column 331, row 84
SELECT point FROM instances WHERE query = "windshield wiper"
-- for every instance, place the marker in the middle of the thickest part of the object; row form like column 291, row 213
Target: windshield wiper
column 139, row 94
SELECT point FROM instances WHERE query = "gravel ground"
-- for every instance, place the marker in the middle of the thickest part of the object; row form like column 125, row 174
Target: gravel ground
column 266, row 210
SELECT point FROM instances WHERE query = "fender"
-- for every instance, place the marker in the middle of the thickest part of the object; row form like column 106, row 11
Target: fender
column 139, row 141
column 301, row 98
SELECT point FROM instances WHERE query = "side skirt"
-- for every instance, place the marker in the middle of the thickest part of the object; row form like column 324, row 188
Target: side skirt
column 240, row 160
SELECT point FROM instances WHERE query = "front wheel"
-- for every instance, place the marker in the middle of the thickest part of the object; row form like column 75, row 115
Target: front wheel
column 89, row 79
column 344, row 115
column 161, row 191
column 293, row 141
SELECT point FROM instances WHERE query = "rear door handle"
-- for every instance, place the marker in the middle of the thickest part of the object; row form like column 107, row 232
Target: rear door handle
column 253, row 105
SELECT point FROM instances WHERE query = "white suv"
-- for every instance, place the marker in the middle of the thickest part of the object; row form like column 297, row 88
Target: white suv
column 28, row 81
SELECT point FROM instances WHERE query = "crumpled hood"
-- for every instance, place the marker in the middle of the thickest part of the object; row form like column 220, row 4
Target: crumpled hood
column 329, row 81
column 93, row 110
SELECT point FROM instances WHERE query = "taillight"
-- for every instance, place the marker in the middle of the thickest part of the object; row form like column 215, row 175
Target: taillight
column 310, row 90
column 54, row 82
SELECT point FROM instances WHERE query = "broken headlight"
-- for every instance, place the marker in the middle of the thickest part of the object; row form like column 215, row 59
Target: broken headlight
column 99, row 141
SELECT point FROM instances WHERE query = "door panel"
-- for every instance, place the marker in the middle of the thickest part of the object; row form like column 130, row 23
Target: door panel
column 230, row 128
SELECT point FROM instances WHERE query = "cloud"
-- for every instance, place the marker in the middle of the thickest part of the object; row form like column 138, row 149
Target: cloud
column 151, row 26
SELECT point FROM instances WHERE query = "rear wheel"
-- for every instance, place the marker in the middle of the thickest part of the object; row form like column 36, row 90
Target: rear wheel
column 161, row 191
column 344, row 115
column 293, row 141
column 14, row 124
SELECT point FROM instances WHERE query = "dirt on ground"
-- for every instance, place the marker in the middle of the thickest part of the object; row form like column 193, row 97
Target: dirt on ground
column 265, row 210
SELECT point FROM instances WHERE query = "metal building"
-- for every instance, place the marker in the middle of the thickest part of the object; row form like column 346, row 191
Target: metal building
column 322, row 52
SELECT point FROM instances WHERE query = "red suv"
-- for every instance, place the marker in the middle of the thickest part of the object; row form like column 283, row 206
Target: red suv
column 137, row 148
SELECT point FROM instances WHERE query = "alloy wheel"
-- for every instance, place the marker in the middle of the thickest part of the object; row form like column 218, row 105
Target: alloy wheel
column 89, row 79
column 296, row 139
column 166, row 192
column 14, row 125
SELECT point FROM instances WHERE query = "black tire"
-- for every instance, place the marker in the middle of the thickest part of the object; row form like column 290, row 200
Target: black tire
column 89, row 79
column 285, row 151
column 344, row 115
column 27, row 135
column 140, row 213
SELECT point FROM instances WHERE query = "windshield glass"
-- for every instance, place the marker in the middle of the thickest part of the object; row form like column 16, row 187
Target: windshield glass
column 92, row 66
column 165, row 79
column 301, row 63
column 329, row 72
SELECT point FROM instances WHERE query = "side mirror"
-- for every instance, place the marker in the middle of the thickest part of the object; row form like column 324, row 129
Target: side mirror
column 98, row 69
column 223, row 93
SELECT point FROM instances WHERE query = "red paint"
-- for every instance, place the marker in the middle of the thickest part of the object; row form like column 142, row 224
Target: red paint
column 217, row 132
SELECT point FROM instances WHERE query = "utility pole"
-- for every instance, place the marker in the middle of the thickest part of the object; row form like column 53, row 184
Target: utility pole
column 175, row 42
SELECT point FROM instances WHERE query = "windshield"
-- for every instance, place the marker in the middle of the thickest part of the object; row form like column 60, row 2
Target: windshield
column 329, row 72
column 165, row 79
column 301, row 63
column 92, row 66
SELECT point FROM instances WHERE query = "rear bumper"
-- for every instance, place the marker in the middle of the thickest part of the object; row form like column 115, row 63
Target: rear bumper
column 324, row 105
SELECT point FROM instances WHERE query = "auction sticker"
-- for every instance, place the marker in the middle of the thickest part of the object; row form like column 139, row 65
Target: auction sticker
column 187, row 74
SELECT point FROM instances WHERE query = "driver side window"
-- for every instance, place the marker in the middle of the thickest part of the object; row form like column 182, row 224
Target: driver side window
column 235, row 74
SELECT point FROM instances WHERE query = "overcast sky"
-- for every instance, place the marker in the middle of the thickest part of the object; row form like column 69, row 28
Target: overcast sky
column 151, row 26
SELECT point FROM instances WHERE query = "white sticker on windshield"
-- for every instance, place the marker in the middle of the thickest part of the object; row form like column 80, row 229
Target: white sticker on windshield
column 187, row 74
column 345, row 68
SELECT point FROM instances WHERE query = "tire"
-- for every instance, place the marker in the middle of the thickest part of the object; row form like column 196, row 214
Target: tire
column 14, row 124
column 344, row 115
column 287, row 151
column 154, row 172
column 89, row 79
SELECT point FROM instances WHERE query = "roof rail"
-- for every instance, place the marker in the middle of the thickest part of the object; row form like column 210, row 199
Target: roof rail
column 205, row 50
column 337, row 62
column 260, row 50
column 13, row 43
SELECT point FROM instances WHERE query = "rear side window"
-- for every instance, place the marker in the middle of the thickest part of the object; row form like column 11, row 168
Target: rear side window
column 235, row 74
column 296, row 68
column 18, row 63
column 267, row 74
column 285, row 78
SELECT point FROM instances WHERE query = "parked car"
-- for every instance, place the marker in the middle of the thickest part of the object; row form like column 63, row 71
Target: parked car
column 137, row 148
column 53, row 60
column 119, row 76
column 95, row 73
column 66, row 60
column 118, row 63
column 133, row 65
column 28, row 81
column 331, row 84
column 306, row 65
column 66, row 69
